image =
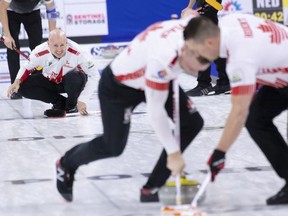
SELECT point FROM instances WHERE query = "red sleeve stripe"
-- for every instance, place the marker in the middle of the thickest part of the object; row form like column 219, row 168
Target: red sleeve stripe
column 44, row 52
column 73, row 51
column 263, row 82
column 244, row 90
column 131, row 76
column 281, row 83
column 173, row 62
column 157, row 86
column 26, row 75
column 79, row 68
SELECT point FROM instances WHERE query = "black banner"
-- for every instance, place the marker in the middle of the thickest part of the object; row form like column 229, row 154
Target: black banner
column 269, row 9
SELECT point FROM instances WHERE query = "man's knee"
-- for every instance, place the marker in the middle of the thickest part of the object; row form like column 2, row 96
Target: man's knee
column 114, row 144
column 75, row 77
column 196, row 122
column 115, row 152
column 255, row 120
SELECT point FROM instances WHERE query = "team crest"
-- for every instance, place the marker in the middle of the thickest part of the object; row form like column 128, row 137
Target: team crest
column 162, row 74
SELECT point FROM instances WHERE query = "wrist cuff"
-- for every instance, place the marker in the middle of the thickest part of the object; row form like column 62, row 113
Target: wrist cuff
column 51, row 13
column 219, row 153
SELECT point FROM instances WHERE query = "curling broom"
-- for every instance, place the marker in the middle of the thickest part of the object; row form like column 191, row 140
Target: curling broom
column 19, row 52
column 179, row 209
column 188, row 210
column 201, row 190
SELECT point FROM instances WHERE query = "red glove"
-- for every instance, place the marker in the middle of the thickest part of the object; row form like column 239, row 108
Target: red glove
column 216, row 163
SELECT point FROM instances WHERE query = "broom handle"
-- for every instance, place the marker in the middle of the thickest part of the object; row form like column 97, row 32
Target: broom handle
column 178, row 190
column 201, row 190
column 14, row 48
column 176, row 118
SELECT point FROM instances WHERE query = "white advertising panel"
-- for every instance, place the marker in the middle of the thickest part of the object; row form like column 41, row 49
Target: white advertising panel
column 94, row 50
column 235, row 6
column 77, row 18
column 86, row 19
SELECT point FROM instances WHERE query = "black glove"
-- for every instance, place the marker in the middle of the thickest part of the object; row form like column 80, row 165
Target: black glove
column 216, row 163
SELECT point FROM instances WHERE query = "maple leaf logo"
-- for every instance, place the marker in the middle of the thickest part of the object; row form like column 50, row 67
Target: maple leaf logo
column 278, row 34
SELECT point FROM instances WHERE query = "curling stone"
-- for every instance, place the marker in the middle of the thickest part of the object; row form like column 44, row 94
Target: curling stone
column 189, row 188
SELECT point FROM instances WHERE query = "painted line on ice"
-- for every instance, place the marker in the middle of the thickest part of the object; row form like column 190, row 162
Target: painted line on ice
column 115, row 177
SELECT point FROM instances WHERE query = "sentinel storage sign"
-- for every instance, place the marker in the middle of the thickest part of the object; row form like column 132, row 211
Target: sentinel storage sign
column 83, row 18
column 77, row 18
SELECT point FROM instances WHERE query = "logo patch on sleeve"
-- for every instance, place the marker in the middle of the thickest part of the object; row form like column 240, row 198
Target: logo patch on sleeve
column 162, row 74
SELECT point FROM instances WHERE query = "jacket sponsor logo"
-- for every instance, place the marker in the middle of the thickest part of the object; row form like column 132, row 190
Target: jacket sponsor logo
column 235, row 78
column 162, row 74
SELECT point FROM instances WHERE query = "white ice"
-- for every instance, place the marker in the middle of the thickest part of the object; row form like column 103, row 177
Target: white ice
column 30, row 145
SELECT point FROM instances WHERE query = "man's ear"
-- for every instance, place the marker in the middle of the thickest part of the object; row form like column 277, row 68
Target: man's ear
column 210, row 41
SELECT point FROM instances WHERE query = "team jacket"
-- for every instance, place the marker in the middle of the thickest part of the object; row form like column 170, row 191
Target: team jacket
column 149, row 63
column 256, row 51
column 54, row 69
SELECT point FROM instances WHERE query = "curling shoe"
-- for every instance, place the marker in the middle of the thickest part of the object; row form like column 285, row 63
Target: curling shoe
column 149, row 195
column 220, row 89
column 57, row 110
column 200, row 91
column 72, row 109
column 54, row 113
column 280, row 198
column 64, row 181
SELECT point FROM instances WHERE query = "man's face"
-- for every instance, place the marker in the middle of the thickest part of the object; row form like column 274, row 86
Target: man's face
column 192, row 62
column 205, row 52
column 57, row 46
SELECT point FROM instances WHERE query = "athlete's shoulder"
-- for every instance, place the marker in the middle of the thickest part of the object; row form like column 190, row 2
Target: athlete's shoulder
column 231, row 18
column 41, row 50
column 176, row 23
column 73, row 47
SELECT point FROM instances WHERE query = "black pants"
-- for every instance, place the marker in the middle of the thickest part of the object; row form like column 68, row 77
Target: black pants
column 204, row 78
column 38, row 87
column 117, row 103
column 33, row 26
column 268, row 103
